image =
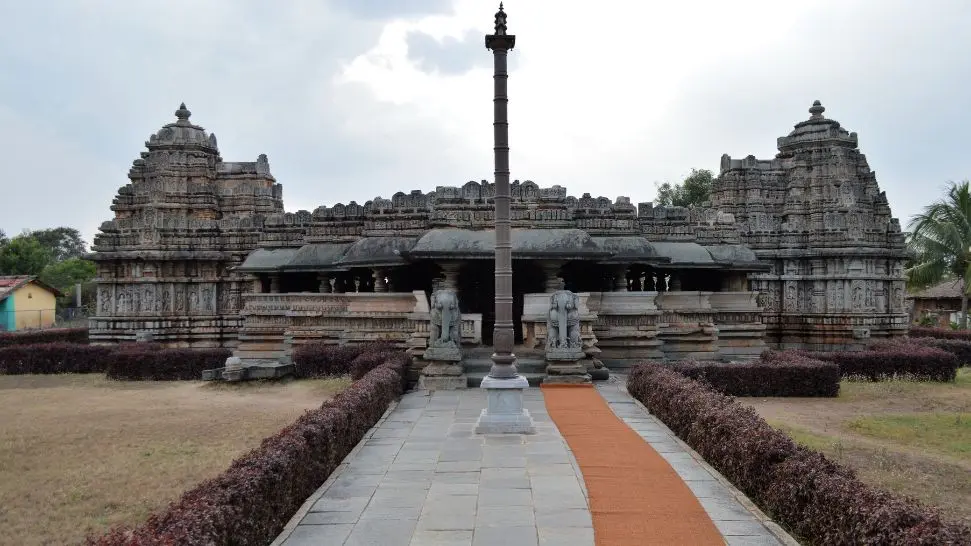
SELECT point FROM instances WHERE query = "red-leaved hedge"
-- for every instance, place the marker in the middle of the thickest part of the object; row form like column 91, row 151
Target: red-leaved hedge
column 249, row 503
column 939, row 333
column 960, row 348
column 153, row 362
column 50, row 335
column 53, row 358
column 904, row 359
column 370, row 358
column 817, row 499
column 322, row 359
column 128, row 361
column 776, row 373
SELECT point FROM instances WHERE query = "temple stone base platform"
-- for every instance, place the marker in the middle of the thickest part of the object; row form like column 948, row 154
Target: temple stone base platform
column 237, row 369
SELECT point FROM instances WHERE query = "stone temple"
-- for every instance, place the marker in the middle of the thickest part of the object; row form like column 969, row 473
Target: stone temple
column 797, row 251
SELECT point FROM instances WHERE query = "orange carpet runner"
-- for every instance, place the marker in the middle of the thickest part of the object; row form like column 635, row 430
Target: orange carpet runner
column 635, row 497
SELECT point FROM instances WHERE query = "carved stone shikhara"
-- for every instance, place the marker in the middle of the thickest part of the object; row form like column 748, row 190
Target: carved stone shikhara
column 165, row 262
column 816, row 214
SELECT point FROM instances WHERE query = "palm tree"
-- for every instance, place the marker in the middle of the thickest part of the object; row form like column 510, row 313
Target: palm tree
column 940, row 243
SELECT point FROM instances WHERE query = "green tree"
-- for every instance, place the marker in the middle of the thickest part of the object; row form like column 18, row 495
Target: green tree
column 3, row 238
column 694, row 191
column 940, row 243
column 63, row 242
column 65, row 275
column 24, row 255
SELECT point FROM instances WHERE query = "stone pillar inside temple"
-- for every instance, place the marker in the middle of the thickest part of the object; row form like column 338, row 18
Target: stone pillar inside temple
column 324, row 287
column 274, row 283
column 257, row 284
column 734, row 281
column 674, row 285
column 551, row 273
column 380, row 282
column 619, row 275
column 450, row 275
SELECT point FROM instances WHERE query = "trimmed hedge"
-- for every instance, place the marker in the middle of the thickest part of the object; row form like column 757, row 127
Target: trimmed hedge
column 815, row 498
column 129, row 361
column 53, row 358
column 939, row 333
column 960, row 348
column 370, row 358
column 321, row 359
column 895, row 359
column 249, row 503
column 785, row 373
column 153, row 362
column 50, row 335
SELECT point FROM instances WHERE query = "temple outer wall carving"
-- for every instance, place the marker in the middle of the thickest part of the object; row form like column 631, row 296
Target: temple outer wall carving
column 799, row 251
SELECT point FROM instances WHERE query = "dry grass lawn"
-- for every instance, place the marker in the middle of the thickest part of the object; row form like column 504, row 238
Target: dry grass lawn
column 906, row 436
column 80, row 453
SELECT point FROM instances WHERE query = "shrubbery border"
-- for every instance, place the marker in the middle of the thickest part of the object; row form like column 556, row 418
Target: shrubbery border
column 775, row 373
column 250, row 502
column 815, row 498
column 48, row 335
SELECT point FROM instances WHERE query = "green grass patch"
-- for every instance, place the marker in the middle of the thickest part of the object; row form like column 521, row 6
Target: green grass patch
column 869, row 390
column 812, row 440
column 947, row 433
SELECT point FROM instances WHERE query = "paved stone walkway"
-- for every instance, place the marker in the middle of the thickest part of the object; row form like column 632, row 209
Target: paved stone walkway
column 421, row 477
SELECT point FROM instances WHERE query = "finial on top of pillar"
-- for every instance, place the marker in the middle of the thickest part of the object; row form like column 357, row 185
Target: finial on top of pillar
column 500, row 21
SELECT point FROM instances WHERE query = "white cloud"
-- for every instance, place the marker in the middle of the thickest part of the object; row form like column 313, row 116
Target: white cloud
column 605, row 97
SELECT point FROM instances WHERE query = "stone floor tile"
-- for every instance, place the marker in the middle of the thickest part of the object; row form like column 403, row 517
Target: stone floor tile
column 505, row 536
column 457, row 477
column 751, row 527
column 447, row 521
column 564, row 536
column 563, row 517
column 441, row 538
column 327, row 504
column 453, row 489
column 758, row 540
column 315, row 535
column 381, row 533
column 329, row 518
column 458, row 466
column 489, row 496
column 516, row 516
column 725, row 510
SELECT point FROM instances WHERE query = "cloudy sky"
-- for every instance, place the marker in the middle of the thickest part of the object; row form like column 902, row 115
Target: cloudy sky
column 352, row 99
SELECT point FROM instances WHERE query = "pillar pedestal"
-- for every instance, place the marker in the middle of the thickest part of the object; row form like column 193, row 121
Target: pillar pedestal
column 444, row 370
column 505, row 413
column 566, row 366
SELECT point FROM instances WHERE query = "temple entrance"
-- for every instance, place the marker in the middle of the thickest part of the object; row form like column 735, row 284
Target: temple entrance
column 477, row 293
